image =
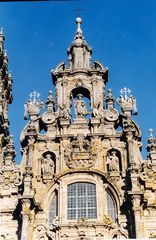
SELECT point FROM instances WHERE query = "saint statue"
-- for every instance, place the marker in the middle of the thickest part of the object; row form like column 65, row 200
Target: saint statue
column 64, row 112
column 80, row 106
column 113, row 161
column 48, row 165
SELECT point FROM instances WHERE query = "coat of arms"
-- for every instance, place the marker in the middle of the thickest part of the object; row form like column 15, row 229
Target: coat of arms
column 79, row 154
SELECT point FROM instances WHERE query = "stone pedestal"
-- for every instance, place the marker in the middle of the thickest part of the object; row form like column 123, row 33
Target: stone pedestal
column 65, row 125
column 95, row 123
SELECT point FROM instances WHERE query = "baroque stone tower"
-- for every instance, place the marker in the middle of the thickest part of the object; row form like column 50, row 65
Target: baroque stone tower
column 82, row 175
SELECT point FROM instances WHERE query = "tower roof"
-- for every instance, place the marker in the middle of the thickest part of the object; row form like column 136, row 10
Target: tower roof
column 79, row 57
column 79, row 53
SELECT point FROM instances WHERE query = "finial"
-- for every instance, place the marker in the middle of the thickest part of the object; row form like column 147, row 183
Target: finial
column 50, row 102
column 34, row 96
column 1, row 31
column 151, row 147
column 10, row 74
column 33, row 106
column 127, row 102
column 125, row 92
column 110, row 99
column 150, row 133
column 79, row 21
column 5, row 53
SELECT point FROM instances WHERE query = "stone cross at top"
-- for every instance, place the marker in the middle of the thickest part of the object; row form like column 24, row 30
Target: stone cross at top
column 34, row 96
column 78, row 10
column 125, row 91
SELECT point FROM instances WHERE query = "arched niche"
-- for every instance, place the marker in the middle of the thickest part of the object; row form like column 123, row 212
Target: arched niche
column 85, row 98
column 114, row 163
column 81, row 90
column 48, row 163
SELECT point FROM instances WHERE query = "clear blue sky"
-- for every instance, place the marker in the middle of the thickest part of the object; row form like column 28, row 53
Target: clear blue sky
column 123, row 37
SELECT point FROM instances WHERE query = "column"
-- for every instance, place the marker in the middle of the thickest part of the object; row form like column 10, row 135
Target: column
column 25, row 218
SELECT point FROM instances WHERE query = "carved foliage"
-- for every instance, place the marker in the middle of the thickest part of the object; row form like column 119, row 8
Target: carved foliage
column 10, row 179
column 41, row 233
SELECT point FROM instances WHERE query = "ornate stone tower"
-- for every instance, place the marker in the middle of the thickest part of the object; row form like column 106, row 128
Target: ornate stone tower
column 9, row 172
column 82, row 175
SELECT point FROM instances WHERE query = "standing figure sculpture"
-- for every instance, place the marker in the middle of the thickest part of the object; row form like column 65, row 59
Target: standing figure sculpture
column 113, row 161
column 64, row 112
column 48, row 165
column 80, row 106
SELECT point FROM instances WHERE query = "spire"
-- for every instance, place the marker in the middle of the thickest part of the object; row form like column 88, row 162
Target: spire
column 151, row 148
column 79, row 53
column 79, row 30
column 1, row 39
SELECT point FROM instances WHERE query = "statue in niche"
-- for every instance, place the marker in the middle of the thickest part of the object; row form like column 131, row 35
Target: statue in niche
column 64, row 112
column 113, row 161
column 48, row 165
column 80, row 106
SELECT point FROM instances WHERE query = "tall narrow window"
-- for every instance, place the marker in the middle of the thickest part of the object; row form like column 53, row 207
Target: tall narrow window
column 81, row 202
column 53, row 211
column 111, row 209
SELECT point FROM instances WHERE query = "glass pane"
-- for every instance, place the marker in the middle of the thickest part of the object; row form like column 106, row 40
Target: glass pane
column 111, row 207
column 53, row 208
column 81, row 200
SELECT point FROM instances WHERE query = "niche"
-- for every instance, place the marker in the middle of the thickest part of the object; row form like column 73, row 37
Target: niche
column 80, row 103
column 48, row 163
column 114, row 161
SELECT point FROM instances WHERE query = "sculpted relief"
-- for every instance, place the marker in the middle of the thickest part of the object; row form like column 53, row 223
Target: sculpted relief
column 79, row 153
column 79, row 106
column 113, row 161
column 48, row 165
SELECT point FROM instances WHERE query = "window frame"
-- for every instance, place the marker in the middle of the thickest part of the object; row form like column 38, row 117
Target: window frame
column 89, row 207
column 51, row 208
column 112, row 213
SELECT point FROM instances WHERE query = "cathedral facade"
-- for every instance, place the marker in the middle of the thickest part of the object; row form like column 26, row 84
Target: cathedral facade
column 82, row 176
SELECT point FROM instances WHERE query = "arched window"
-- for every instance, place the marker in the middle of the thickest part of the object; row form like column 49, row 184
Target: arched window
column 81, row 201
column 111, row 208
column 53, row 211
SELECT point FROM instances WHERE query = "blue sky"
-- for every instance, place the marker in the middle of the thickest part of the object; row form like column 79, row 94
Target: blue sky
column 123, row 37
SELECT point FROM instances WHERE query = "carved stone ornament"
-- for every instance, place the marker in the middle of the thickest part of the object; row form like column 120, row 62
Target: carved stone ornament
column 144, row 176
column 48, row 117
column 7, row 237
column 10, row 179
column 40, row 233
column 80, row 154
column 107, row 220
column 111, row 114
column 113, row 161
column 152, row 235
column 48, row 165
column 149, row 179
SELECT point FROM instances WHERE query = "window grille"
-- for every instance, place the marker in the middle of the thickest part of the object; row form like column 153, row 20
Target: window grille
column 53, row 211
column 81, row 201
column 111, row 209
